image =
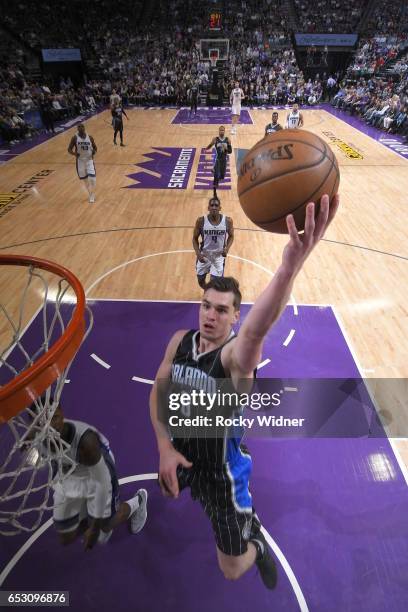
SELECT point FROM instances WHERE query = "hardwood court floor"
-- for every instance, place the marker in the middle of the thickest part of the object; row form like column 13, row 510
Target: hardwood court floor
column 360, row 268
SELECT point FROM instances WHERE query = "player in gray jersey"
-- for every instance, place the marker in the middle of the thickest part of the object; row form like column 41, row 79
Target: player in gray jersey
column 87, row 501
column 217, row 235
column 218, row 474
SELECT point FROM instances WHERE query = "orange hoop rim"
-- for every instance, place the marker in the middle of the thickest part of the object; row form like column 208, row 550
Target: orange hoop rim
column 32, row 382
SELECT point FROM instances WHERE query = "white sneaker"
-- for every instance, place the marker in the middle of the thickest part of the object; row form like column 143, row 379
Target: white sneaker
column 91, row 198
column 138, row 518
column 104, row 537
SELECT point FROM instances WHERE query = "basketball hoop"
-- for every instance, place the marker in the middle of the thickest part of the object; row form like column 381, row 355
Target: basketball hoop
column 33, row 372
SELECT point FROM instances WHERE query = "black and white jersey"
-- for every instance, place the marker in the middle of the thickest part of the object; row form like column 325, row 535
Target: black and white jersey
column 271, row 128
column 193, row 370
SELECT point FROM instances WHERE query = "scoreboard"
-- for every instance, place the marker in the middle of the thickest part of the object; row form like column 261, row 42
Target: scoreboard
column 215, row 19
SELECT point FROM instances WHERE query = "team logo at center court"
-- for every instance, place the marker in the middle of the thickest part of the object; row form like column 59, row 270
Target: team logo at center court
column 205, row 175
column 165, row 168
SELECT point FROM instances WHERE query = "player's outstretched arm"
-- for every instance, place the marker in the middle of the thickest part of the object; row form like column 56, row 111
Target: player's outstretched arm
column 210, row 146
column 246, row 350
column 124, row 113
column 170, row 459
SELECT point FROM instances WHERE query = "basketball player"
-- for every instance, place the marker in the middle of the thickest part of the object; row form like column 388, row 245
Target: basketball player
column 83, row 147
column 237, row 95
column 193, row 97
column 214, row 246
column 274, row 126
column 294, row 119
column 217, row 469
column 87, row 501
column 117, row 121
column 222, row 148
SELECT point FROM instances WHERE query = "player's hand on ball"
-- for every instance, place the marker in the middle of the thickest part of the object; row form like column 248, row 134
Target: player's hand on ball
column 170, row 459
column 301, row 245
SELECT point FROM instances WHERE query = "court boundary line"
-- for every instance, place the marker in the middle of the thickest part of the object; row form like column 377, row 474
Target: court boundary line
column 153, row 476
column 150, row 255
column 397, row 456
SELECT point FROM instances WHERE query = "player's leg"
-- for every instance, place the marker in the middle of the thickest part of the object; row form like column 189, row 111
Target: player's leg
column 69, row 513
column 202, row 269
column 217, row 175
column 115, row 131
column 82, row 171
column 90, row 167
column 116, row 513
column 217, row 266
column 121, row 134
column 237, row 530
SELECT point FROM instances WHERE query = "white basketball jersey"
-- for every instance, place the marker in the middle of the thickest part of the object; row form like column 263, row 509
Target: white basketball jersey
column 236, row 96
column 84, row 147
column 214, row 236
column 293, row 120
column 82, row 471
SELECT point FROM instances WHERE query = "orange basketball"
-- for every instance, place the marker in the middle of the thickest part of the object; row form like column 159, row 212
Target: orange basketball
column 281, row 174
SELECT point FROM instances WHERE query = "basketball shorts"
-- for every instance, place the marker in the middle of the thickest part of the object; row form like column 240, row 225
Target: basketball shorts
column 74, row 499
column 85, row 168
column 225, row 497
column 236, row 109
column 214, row 265
column 220, row 168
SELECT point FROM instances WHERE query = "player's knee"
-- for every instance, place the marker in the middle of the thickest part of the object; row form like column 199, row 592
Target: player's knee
column 230, row 568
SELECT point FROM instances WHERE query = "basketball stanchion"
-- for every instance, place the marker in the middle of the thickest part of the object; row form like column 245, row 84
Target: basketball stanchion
column 33, row 456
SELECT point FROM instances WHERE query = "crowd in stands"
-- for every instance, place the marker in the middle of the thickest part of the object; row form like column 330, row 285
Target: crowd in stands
column 329, row 16
column 390, row 18
column 159, row 64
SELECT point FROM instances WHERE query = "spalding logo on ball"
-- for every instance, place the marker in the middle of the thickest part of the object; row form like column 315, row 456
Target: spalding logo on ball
column 281, row 174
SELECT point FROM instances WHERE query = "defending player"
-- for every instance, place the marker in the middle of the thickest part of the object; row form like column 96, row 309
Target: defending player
column 217, row 469
column 213, row 249
column 222, row 148
column 294, row 119
column 273, row 127
column 87, row 501
column 117, row 121
column 236, row 97
column 83, row 147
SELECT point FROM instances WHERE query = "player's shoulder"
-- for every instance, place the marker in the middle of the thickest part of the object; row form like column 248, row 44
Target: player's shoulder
column 200, row 221
column 175, row 342
column 229, row 220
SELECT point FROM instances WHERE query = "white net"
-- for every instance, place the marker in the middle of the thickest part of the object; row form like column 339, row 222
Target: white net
column 33, row 457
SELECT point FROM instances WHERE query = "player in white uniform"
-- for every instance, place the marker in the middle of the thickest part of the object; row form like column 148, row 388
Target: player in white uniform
column 83, row 147
column 87, row 501
column 294, row 119
column 213, row 249
column 235, row 99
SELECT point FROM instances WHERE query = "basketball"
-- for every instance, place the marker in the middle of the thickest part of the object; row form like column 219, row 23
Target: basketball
column 281, row 174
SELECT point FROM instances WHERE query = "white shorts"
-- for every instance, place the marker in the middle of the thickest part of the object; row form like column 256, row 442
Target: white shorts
column 85, row 168
column 74, row 500
column 214, row 265
column 236, row 109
